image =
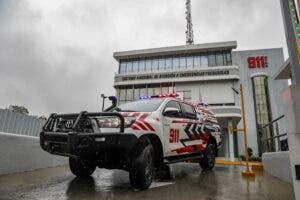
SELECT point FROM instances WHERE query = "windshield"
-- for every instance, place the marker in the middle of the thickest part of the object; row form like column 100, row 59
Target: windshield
column 140, row 106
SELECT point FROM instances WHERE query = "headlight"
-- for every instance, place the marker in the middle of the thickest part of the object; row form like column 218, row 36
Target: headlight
column 111, row 122
column 114, row 122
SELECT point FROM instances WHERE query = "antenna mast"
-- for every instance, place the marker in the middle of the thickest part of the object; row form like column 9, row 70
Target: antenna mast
column 189, row 26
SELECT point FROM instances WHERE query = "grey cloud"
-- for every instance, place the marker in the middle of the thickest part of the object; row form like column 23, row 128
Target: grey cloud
column 59, row 60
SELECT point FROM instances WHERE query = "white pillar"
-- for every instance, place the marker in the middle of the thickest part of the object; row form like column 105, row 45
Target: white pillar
column 291, row 99
column 230, row 141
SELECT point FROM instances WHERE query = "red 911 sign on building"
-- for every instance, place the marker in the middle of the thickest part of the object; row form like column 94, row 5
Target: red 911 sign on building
column 257, row 62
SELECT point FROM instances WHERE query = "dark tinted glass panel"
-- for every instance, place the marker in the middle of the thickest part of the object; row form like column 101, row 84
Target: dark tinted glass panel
column 162, row 63
column 169, row 63
column 228, row 58
column 189, row 62
column 212, row 60
column 220, row 59
column 189, row 111
column 175, row 63
column 182, row 61
column 129, row 66
column 122, row 67
column 173, row 104
column 204, row 60
column 155, row 65
column 262, row 111
column 148, row 65
column 141, row 65
column 197, row 62
column 135, row 66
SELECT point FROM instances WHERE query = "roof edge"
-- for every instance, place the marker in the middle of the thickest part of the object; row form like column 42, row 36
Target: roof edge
column 171, row 50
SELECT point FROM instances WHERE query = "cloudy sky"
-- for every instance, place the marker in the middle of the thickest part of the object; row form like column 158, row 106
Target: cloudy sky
column 56, row 55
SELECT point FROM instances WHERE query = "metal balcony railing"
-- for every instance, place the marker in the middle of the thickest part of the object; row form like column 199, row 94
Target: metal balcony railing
column 275, row 143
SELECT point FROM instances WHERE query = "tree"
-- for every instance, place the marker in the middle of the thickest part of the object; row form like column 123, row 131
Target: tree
column 19, row 109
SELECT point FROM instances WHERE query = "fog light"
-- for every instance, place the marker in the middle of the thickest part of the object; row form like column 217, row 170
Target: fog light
column 46, row 143
column 100, row 139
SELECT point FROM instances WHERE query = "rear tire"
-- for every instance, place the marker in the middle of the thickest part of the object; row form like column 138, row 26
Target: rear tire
column 208, row 161
column 81, row 168
column 141, row 172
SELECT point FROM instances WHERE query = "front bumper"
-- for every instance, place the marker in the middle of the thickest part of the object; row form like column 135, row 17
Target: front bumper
column 86, row 144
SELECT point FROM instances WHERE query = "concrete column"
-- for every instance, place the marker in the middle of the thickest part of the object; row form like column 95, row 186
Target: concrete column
column 291, row 99
column 230, row 141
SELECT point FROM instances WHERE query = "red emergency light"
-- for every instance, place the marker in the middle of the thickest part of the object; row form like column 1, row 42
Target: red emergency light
column 172, row 95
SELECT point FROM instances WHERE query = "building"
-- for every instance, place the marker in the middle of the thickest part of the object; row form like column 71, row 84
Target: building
column 210, row 73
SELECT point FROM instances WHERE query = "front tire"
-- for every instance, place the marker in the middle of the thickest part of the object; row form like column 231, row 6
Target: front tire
column 141, row 172
column 81, row 168
column 207, row 163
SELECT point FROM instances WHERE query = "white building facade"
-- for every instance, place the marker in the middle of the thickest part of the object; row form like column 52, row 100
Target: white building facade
column 210, row 73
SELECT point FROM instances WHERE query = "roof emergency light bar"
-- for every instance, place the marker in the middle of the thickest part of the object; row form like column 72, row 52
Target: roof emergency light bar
column 160, row 96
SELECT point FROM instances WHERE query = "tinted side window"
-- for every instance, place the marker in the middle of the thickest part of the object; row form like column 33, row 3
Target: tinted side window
column 173, row 104
column 189, row 111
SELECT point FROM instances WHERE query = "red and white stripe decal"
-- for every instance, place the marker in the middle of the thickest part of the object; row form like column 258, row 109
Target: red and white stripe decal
column 142, row 119
column 140, row 123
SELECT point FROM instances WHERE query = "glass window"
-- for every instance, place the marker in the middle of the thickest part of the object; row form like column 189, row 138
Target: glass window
column 161, row 63
column 168, row 63
column 182, row 62
column 141, row 106
column 148, row 65
column 128, row 66
column 165, row 90
column 204, row 60
column 176, row 63
column 187, row 95
column 219, row 60
column 141, row 65
column 189, row 62
column 150, row 91
column 228, row 58
column 122, row 67
column 136, row 94
column 174, row 104
column 212, row 60
column 129, row 94
column 135, row 66
column 122, row 94
column 262, row 109
column 154, row 64
column 157, row 91
column 143, row 92
column 197, row 61
column 188, row 110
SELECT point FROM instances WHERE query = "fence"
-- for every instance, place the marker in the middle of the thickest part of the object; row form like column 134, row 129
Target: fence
column 16, row 123
column 276, row 143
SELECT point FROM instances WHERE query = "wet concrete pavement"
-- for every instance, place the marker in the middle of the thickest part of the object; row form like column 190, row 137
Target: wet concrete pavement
column 225, row 182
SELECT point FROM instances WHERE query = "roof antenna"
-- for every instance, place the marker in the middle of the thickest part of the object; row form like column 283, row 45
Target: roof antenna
column 189, row 26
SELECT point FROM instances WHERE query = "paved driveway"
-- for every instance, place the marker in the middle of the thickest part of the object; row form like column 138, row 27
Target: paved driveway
column 225, row 182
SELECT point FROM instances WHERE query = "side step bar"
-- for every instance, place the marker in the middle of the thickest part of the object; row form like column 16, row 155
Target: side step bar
column 182, row 158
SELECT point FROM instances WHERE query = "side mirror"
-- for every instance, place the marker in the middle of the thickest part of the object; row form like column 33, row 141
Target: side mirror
column 171, row 112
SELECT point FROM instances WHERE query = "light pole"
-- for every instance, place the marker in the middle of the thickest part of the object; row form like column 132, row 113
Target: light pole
column 247, row 173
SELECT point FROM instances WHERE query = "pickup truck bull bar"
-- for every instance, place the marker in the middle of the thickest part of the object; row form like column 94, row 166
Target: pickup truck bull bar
column 76, row 142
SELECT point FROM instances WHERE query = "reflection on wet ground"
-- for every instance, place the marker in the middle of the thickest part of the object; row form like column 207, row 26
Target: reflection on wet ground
column 225, row 182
